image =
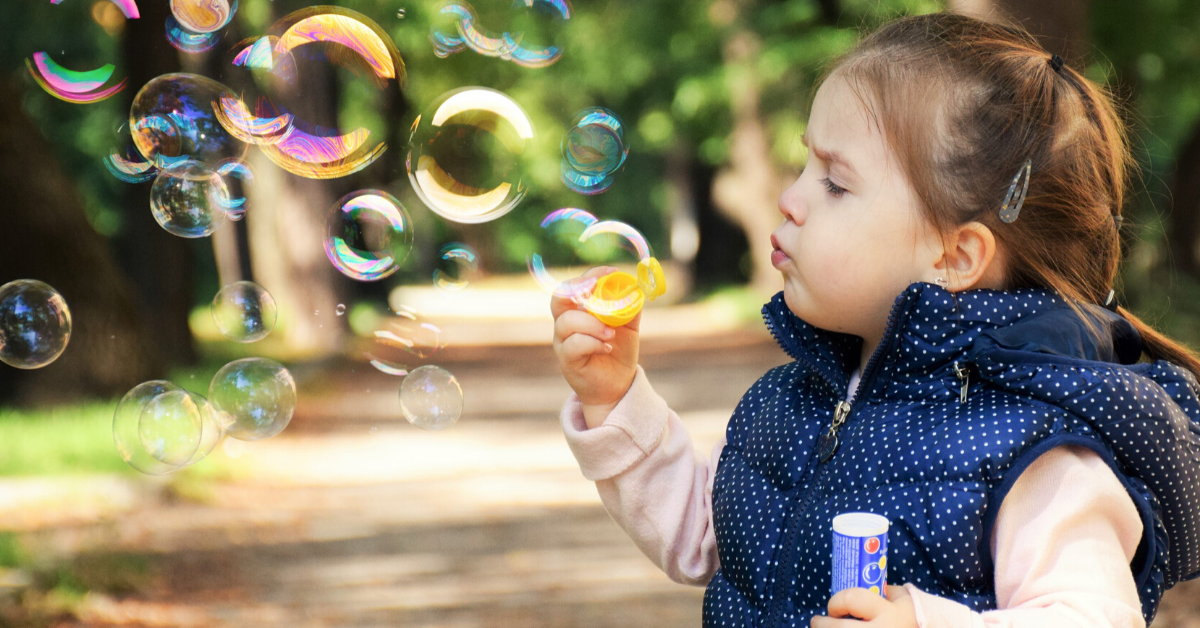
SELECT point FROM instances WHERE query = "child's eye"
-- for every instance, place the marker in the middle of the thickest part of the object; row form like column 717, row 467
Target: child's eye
column 833, row 189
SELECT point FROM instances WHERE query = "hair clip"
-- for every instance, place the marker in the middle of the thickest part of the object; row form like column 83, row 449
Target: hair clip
column 1110, row 302
column 1118, row 220
column 1009, row 211
column 1056, row 62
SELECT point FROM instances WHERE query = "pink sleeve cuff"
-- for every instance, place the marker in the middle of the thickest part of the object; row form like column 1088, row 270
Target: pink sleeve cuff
column 632, row 430
column 933, row 611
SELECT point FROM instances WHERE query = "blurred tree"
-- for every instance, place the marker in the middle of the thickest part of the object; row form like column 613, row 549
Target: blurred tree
column 46, row 236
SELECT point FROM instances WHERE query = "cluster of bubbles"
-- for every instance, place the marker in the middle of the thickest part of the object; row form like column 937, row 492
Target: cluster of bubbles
column 530, row 39
column 466, row 162
column 430, row 396
column 159, row 427
column 35, row 324
column 593, row 150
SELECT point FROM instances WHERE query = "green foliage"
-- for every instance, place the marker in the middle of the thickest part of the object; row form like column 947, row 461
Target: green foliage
column 57, row 441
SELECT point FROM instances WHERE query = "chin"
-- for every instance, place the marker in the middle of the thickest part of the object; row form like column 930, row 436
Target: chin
column 792, row 299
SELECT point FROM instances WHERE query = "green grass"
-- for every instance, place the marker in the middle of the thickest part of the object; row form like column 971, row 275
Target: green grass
column 65, row 440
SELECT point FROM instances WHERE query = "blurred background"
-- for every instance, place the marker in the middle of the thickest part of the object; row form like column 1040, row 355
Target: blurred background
column 352, row 516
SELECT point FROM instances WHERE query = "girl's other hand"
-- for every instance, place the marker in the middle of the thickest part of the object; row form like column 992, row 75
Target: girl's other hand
column 896, row 611
column 598, row 361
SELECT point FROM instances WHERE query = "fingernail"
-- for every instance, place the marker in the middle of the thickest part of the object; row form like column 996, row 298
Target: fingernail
column 608, row 332
column 607, row 348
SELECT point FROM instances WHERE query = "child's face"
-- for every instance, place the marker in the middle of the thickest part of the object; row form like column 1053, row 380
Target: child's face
column 846, row 252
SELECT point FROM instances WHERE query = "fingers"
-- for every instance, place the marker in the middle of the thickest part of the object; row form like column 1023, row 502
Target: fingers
column 857, row 602
column 896, row 593
column 580, row 322
column 577, row 347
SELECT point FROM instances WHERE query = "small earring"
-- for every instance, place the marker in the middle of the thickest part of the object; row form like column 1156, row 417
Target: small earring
column 941, row 281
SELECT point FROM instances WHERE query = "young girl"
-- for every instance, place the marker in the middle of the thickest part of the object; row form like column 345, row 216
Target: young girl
column 943, row 254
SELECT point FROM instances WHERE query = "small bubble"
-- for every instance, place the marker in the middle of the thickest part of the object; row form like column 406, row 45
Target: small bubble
column 400, row 14
column 340, row 309
column 316, row 312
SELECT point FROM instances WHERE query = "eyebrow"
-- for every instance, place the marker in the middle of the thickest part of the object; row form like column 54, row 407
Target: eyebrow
column 831, row 156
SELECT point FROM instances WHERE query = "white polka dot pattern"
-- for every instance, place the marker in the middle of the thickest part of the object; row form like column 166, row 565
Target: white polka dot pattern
column 938, row 468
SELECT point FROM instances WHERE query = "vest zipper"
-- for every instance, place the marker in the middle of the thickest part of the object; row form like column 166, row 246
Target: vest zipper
column 963, row 373
column 844, row 409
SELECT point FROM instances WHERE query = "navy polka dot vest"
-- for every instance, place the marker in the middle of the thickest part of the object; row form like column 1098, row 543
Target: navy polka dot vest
column 937, row 461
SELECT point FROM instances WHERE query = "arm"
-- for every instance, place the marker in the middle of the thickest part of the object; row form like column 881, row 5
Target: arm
column 650, row 479
column 1063, row 540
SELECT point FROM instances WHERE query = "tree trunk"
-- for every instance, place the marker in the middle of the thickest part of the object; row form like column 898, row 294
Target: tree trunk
column 46, row 236
column 160, row 264
column 748, row 189
column 1183, row 200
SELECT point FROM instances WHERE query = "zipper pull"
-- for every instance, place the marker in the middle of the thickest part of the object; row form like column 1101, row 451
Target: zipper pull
column 829, row 440
column 964, row 374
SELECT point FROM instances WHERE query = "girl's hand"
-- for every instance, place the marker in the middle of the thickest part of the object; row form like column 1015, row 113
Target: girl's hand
column 896, row 611
column 598, row 361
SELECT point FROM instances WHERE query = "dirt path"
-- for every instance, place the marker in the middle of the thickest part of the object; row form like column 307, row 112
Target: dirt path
column 354, row 518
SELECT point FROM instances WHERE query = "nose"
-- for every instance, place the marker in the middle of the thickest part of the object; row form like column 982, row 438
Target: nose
column 790, row 204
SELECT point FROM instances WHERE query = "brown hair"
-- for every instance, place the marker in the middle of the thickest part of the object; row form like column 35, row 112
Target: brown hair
column 995, row 100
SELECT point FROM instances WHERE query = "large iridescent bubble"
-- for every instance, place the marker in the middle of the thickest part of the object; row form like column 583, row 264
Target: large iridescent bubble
column 81, row 81
column 339, row 36
column 189, row 199
column 593, row 150
column 254, row 398
column 431, row 398
column 465, row 155
column 35, row 324
column 368, row 235
column 172, row 120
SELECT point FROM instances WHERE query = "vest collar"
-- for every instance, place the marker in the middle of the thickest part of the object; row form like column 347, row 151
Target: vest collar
column 929, row 328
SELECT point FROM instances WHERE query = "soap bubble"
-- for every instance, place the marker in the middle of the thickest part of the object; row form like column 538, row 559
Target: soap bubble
column 189, row 199
column 126, row 422
column 244, row 311
column 593, row 149
column 465, row 153
column 431, row 398
column 531, row 39
column 126, row 163
column 410, row 332
column 185, row 40
column 254, row 398
column 458, row 264
column 236, row 175
column 35, row 324
column 368, row 235
column 558, row 247
column 340, row 36
column 203, row 16
column 170, row 427
column 172, row 120
column 340, row 309
column 72, row 86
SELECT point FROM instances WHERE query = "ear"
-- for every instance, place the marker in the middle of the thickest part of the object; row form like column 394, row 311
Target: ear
column 971, row 259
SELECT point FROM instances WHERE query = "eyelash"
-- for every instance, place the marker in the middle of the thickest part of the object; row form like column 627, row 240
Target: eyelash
column 833, row 189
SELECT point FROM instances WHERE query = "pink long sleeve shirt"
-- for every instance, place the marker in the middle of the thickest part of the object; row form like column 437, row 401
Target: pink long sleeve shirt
column 1062, row 543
